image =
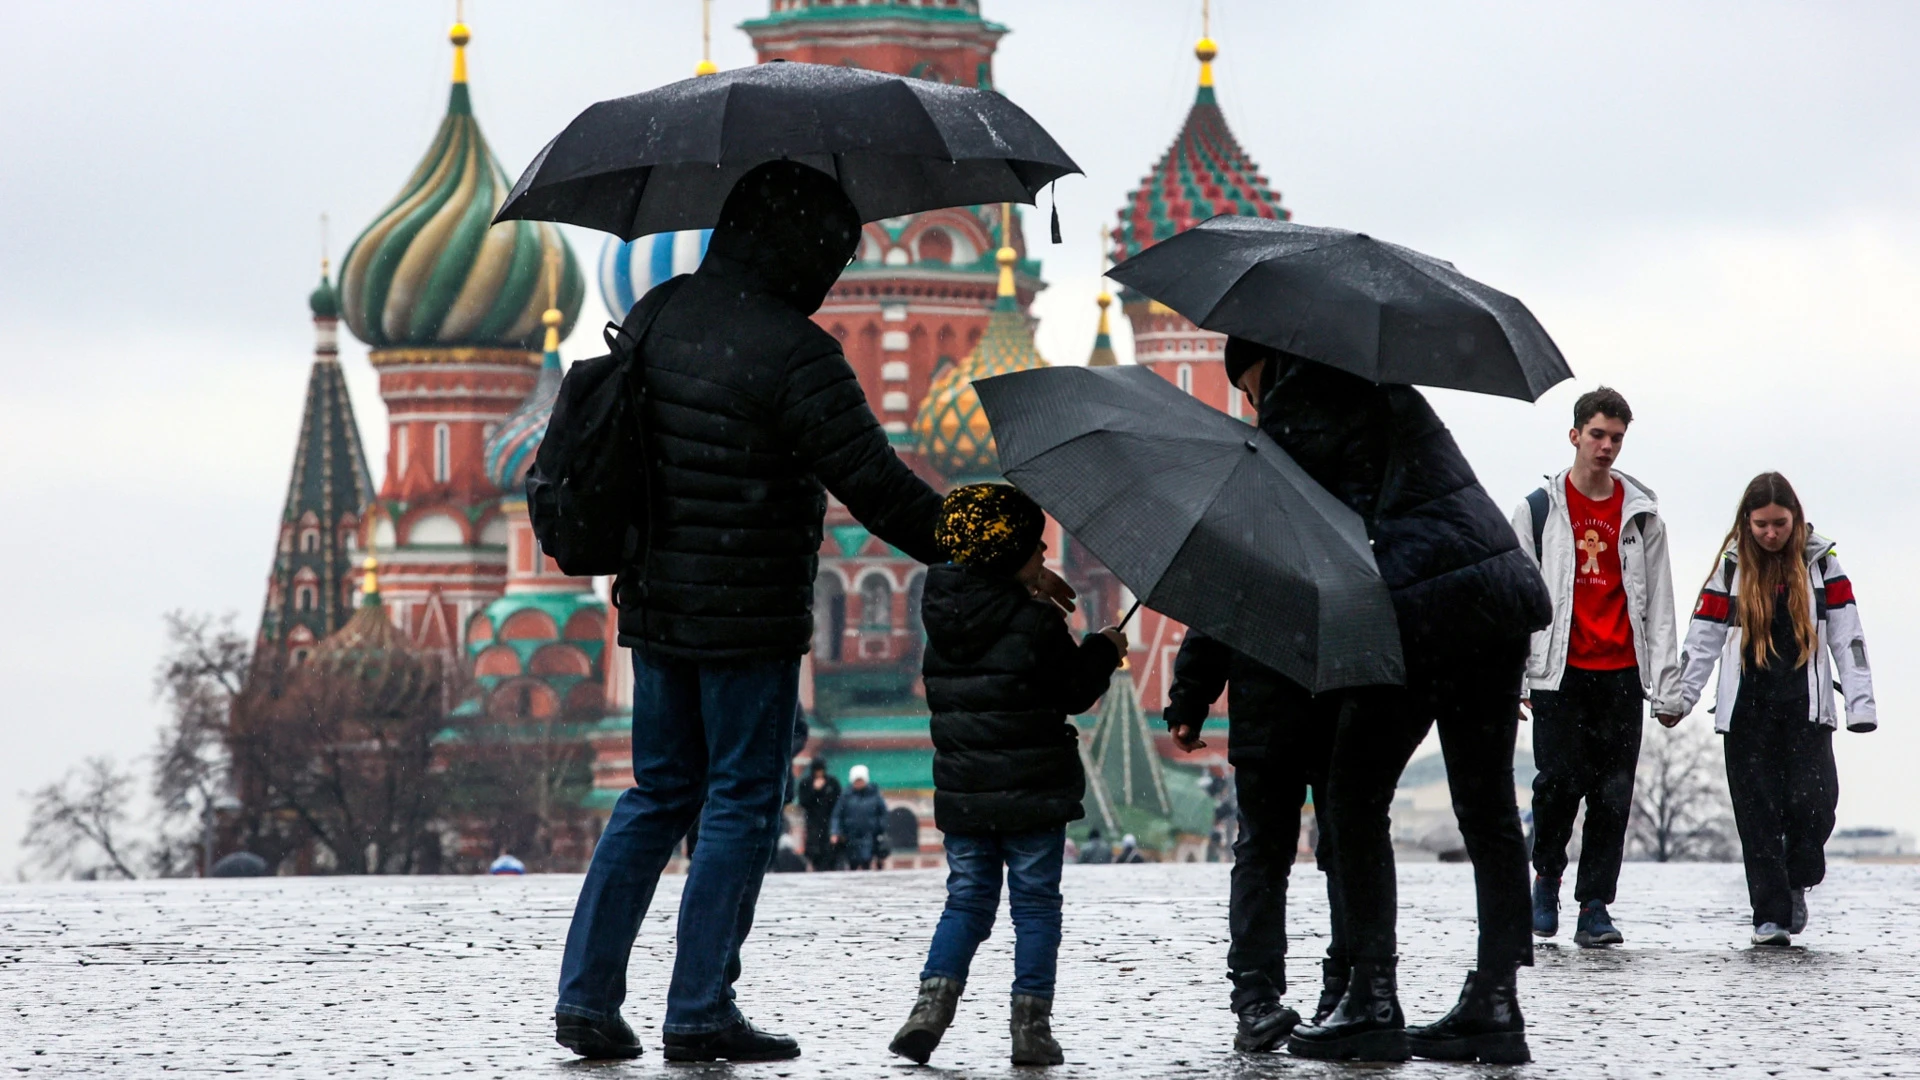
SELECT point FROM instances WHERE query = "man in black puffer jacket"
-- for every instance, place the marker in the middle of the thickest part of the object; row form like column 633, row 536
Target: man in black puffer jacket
column 1466, row 599
column 1003, row 674
column 751, row 415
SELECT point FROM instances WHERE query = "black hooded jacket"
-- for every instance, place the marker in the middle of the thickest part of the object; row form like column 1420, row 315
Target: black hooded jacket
column 1002, row 674
column 1450, row 558
column 751, row 415
column 1257, row 695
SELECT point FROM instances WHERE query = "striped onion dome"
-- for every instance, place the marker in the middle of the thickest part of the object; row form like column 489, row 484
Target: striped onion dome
column 432, row 272
column 510, row 449
column 1203, row 174
column 389, row 676
column 628, row 269
column 951, row 430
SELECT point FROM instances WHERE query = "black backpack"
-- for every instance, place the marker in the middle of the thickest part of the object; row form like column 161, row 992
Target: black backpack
column 588, row 490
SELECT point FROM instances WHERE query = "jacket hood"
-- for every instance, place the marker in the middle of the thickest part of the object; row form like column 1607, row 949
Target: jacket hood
column 1639, row 499
column 790, row 228
column 1817, row 546
column 966, row 611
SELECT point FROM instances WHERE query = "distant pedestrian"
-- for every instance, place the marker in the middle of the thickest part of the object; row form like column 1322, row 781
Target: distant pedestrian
column 819, row 794
column 859, row 822
column 1096, row 851
column 1003, row 675
column 1129, row 852
column 786, row 860
column 1777, row 615
column 1601, row 545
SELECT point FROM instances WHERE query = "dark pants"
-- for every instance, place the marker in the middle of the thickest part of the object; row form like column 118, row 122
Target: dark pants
column 1271, row 790
column 1476, row 702
column 1781, row 777
column 1586, row 743
column 717, row 733
column 1032, row 861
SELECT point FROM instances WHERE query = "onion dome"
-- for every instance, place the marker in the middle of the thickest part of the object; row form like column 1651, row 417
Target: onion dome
column 434, row 272
column 510, row 449
column 393, row 678
column 951, row 430
column 629, row 270
column 1203, row 174
column 1102, row 354
column 325, row 299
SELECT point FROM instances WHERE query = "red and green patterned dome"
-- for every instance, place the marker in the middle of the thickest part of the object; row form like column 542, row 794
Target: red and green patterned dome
column 1204, row 173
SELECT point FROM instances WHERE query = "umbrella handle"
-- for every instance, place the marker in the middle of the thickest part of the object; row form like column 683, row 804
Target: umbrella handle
column 1129, row 617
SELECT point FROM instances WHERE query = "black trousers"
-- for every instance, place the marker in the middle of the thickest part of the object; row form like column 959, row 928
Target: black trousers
column 1785, row 789
column 1586, row 743
column 1476, row 702
column 1271, row 789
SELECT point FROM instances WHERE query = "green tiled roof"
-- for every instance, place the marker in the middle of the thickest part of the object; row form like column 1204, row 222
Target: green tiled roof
column 1204, row 173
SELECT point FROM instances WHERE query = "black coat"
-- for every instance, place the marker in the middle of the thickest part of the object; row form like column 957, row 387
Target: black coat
column 751, row 415
column 1459, row 580
column 860, row 820
column 1002, row 674
column 818, row 805
column 1257, row 695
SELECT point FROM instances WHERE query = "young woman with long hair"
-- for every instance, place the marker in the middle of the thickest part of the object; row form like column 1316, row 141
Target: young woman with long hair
column 1777, row 615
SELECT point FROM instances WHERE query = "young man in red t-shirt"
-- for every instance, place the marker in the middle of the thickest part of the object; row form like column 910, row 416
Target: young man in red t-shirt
column 1613, row 646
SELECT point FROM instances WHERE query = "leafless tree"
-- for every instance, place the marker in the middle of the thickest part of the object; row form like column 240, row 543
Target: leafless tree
column 78, row 826
column 199, row 677
column 1681, row 812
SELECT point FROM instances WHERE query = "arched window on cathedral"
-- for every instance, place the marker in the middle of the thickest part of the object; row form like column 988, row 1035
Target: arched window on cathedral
column 309, row 540
column 304, row 596
column 1184, row 378
column 442, row 453
column 876, row 604
column 401, row 445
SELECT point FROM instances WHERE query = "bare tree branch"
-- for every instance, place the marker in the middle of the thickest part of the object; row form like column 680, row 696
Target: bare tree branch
column 1681, row 812
column 84, row 813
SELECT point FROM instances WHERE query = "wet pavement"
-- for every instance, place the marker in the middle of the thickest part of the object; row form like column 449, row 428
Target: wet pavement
column 453, row 976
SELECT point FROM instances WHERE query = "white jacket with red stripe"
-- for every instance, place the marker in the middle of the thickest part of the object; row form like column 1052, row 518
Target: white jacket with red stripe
column 1714, row 637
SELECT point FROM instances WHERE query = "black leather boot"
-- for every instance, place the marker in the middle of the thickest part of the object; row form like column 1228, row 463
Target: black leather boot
column 1333, row 986
column 595, row 1039
column 1032, row 1027
column 1367, row 1025
column 931, row 1017
column 740, row 1041
column 1484, row 1025
column 1263, row 1026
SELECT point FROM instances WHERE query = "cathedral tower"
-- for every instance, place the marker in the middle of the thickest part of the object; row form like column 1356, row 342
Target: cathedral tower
column 451, row 306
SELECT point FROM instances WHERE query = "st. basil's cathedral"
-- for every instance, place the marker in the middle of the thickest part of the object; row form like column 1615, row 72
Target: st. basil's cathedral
column 463, row 320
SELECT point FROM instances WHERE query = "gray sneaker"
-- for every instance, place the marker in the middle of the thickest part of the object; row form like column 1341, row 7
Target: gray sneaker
column 1799, row 923
column 1772, row 934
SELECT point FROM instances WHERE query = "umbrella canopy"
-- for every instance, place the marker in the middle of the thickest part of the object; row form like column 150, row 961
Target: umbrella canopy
column 665, row 159
column 1379, row 310
column 1205, row 518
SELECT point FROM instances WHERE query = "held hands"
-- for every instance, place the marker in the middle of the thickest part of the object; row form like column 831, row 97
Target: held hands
column 1119, row 639
column 1668, row 720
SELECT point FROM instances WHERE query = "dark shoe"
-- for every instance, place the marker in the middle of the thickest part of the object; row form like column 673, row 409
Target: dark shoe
column 1263, row 1025
column 596, row 1039
column 740, row 1041
column 1772, row 934
column 1333, row 987
column 1799, row 923
column 1367, row 1025
column 1033, row 1032
column 931, row 1017
column 1484, row 1025
column 1546, row 906
column 1595, row 927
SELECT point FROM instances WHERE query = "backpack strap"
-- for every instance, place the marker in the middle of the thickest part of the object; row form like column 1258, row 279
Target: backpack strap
column 1538, row 505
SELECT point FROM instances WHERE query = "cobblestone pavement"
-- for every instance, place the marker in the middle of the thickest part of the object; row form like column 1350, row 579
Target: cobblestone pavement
column 454, row 976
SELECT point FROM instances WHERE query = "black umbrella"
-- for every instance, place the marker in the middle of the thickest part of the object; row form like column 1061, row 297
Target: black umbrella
column 1378, row 310
column 1205, row 518
column 664, row 160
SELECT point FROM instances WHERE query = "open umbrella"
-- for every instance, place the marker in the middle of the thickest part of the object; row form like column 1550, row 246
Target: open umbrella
column 1205, row 518
column 665, row 159
column 1379, row 310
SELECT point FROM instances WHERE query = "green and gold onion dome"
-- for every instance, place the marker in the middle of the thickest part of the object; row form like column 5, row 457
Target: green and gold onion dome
column 389, row 676
column 951, row 431
column 432, row 273
column 324, row 300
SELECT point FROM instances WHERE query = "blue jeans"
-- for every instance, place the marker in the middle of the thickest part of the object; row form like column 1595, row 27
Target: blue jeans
column 712, row 733
column 1033, row 863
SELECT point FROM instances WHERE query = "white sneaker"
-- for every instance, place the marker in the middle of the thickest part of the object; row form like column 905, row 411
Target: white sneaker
column 1772, row 934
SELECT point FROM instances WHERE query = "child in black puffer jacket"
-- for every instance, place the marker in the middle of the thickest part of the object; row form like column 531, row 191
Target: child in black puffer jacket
column 1003, row 674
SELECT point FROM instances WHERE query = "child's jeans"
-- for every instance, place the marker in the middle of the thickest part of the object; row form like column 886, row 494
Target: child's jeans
column 1033, row 863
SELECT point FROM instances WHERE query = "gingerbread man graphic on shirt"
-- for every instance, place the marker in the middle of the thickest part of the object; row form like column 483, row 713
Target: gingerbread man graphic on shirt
column 1592, row 545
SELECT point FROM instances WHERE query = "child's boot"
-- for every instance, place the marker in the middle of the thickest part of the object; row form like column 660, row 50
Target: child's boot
column 1033, row 1032
column 932, row 1015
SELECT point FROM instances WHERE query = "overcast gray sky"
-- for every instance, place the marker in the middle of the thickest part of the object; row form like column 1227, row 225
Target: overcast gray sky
column 1712, row 206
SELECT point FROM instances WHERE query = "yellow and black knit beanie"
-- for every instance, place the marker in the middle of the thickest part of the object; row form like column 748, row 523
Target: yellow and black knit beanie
column 993, row 528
